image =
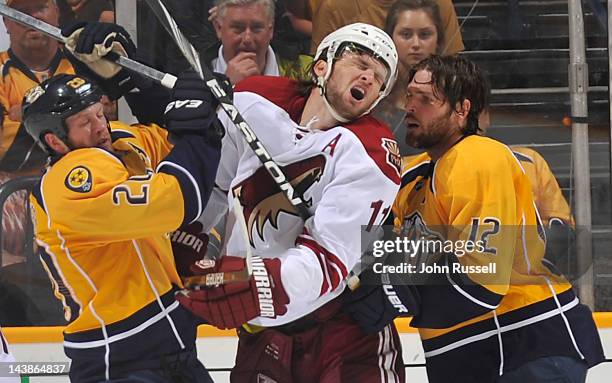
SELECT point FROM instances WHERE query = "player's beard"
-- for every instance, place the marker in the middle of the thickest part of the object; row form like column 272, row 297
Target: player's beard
column 430, row 135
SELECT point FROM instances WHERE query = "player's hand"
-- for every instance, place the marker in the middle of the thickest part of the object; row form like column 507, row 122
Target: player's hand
column 189, row 245
column 243, row 65
column 233, row 304
column 375, row 306
column 193, row 107
column 90, row 42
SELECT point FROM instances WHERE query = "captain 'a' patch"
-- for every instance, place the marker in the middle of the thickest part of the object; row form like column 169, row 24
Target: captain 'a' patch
column 79, row 180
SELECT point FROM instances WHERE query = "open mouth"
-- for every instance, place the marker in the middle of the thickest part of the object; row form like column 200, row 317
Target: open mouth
column 410, row 124
column 357, row 93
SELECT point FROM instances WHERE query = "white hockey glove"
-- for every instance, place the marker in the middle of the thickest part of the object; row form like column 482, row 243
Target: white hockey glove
column 91, row 41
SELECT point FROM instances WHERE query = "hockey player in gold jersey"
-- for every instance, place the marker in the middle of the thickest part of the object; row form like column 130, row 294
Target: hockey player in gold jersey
column 103, row 211
column 526, row 318
column 555, row 213
column 522, row 323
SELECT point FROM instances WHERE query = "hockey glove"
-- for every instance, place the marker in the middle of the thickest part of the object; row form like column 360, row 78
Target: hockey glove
column 189, row 245
column 560, row 256
column 89, row 43
column 375, row 306
column 233, row 304
column 193, row 108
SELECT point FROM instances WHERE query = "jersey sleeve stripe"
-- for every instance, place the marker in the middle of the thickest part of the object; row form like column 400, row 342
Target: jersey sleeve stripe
column 472, row 297
column 183, row 176
column 332, row 267
column 472, row 291
column 326, row 285
column 37, row 194
column 63, row 291
column 5, row 349
column 522, row 157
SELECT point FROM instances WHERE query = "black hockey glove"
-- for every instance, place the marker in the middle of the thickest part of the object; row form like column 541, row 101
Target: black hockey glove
column 560, row 256
column 193, row 108
column 88, row 43
column 373, row 306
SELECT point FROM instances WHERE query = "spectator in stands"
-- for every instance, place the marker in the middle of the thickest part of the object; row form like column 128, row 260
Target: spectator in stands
column 31, row 58
column 332, row 14
column 300, row 14
column 245, row 30
column 417, row 31
column 86, row 10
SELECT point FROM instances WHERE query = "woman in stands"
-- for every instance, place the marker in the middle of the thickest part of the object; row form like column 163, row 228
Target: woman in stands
column 417, row 31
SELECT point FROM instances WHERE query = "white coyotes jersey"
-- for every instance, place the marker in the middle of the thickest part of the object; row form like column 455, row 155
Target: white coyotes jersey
column 349, row 176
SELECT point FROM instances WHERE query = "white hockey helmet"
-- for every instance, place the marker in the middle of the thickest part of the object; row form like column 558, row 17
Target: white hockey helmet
column 366, row 37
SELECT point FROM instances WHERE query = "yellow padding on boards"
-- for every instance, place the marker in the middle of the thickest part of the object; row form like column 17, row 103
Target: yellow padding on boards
column 54, row 334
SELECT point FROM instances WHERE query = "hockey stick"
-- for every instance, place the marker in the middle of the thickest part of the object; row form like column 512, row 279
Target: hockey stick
column 165, row 79
column 220, row 278
column 191, row 55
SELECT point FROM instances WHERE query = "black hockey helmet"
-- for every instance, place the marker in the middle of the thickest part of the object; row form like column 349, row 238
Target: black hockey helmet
column 47, row 106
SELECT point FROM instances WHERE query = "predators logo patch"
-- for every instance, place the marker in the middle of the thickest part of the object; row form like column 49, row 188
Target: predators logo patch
column 79, row 180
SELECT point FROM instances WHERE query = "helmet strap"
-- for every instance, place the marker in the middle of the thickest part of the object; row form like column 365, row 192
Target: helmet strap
column 321, row 83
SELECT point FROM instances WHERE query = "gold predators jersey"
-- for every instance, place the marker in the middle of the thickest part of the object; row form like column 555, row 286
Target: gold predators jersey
column 546, row 191
column 116, row 280
column 17, row 149
column 490, row 294
column 548, row 196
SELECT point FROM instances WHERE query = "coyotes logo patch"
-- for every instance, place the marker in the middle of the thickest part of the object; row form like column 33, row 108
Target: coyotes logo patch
column 79, row 180
column 263, row 201
column 393, row 154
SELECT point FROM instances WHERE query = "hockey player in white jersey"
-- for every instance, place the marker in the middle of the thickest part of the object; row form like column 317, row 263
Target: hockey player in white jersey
column 346, row 165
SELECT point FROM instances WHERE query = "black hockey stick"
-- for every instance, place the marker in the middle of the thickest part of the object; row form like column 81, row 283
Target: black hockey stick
column 165, row 79
column 192, row 56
